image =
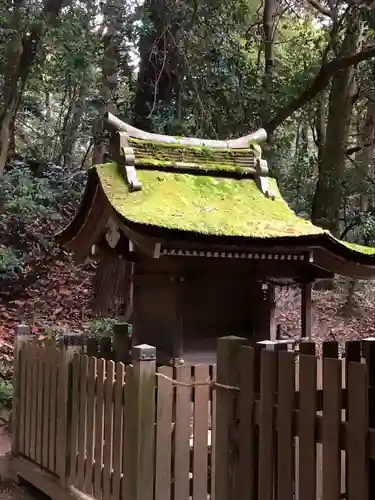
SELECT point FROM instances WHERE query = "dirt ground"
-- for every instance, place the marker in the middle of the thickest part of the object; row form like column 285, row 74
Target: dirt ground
column 15, row 492
column 10, row 491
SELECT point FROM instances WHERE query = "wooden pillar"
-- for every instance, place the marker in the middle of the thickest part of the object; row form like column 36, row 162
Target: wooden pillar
column 272, row 311
column 139, row 429
column 178, row 331
column 226, row 460
column 306, row 309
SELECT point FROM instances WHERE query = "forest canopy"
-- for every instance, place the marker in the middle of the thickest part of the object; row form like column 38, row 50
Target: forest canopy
column 302, row 69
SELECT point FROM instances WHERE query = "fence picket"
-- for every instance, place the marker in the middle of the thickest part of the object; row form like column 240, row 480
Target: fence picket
column 76, row 364
column 99, row 428
column 331, row 469
column 352, row 353
column 127, row 429
column 306, row 427
column 53, row 410
column 90, row 425
column 285, row 432
column 357, row 432
column 200, row 433
column 118, row 413
column 108, row 430
column 39, row 414
column 34, row 398
column 181, row 456
column 46, row 405
column 266, row 432
column 82, row 425
column 246, row 424
column 163, row 435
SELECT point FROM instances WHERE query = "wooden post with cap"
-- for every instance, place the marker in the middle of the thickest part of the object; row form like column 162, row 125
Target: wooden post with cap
column 226, row 448
column 139, row 428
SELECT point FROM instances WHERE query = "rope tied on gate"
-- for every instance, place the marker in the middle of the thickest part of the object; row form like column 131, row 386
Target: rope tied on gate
column 208, row 383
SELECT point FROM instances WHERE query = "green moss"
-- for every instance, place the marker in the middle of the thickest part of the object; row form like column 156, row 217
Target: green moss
column 203, row 204
column 207, row 205
column 147, row 161
column 183, row 147
column 159, row 153
column 359, row 248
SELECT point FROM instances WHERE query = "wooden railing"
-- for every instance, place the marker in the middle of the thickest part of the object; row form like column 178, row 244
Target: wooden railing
column 114, row 431
column 294, row 426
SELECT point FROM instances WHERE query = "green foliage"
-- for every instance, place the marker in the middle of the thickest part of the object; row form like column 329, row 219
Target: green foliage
column 34, row 202
column 11, row 264
column 6, row 393
column 43, row 194
column 214, row 54
column 101, row 327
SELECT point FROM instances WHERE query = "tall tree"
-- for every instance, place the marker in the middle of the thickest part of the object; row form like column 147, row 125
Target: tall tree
column 161, row 66
column 110, row 65
column 327, row 199
column 22, row 52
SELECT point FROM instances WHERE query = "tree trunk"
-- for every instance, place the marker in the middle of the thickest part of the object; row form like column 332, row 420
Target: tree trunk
column 269, row 18
column 320, row 127
column 70, row 132
column 364, row 158
column 110, row 66
column 162, row 65
column 327, row 199
column 20, row 57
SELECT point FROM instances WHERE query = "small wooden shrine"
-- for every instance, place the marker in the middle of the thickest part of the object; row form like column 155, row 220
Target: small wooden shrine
column 189, row 235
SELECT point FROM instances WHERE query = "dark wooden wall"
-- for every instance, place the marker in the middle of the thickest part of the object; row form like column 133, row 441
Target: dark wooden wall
column 181, row 298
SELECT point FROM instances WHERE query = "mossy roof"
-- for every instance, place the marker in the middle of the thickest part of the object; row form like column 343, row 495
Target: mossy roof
column 213, row 206
column 193, row 157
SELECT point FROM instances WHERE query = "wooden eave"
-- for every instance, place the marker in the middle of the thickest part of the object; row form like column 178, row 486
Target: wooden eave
column 329, row 261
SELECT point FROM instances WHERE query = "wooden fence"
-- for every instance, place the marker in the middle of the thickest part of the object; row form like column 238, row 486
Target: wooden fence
column 294, row 427
column 101, row 426
column 267, row 424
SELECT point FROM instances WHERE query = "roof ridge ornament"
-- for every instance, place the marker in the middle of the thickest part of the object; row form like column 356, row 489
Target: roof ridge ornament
column 127, row 154
column 262, row 177
column 112, row 123
column 123, row 154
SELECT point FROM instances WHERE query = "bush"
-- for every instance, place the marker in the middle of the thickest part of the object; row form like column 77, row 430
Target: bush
column 100, row 327
column 10, row 263
column 36, row 202
column 6, row 391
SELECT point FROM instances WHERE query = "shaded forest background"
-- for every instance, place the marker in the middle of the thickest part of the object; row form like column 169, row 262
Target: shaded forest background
column 302, row 69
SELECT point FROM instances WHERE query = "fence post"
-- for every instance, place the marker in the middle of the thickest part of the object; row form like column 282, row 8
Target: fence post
column 70, row 345
column 122, row 342
column 139, row 428
column 369, row 356
column 22, row 335
column 226, row 439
